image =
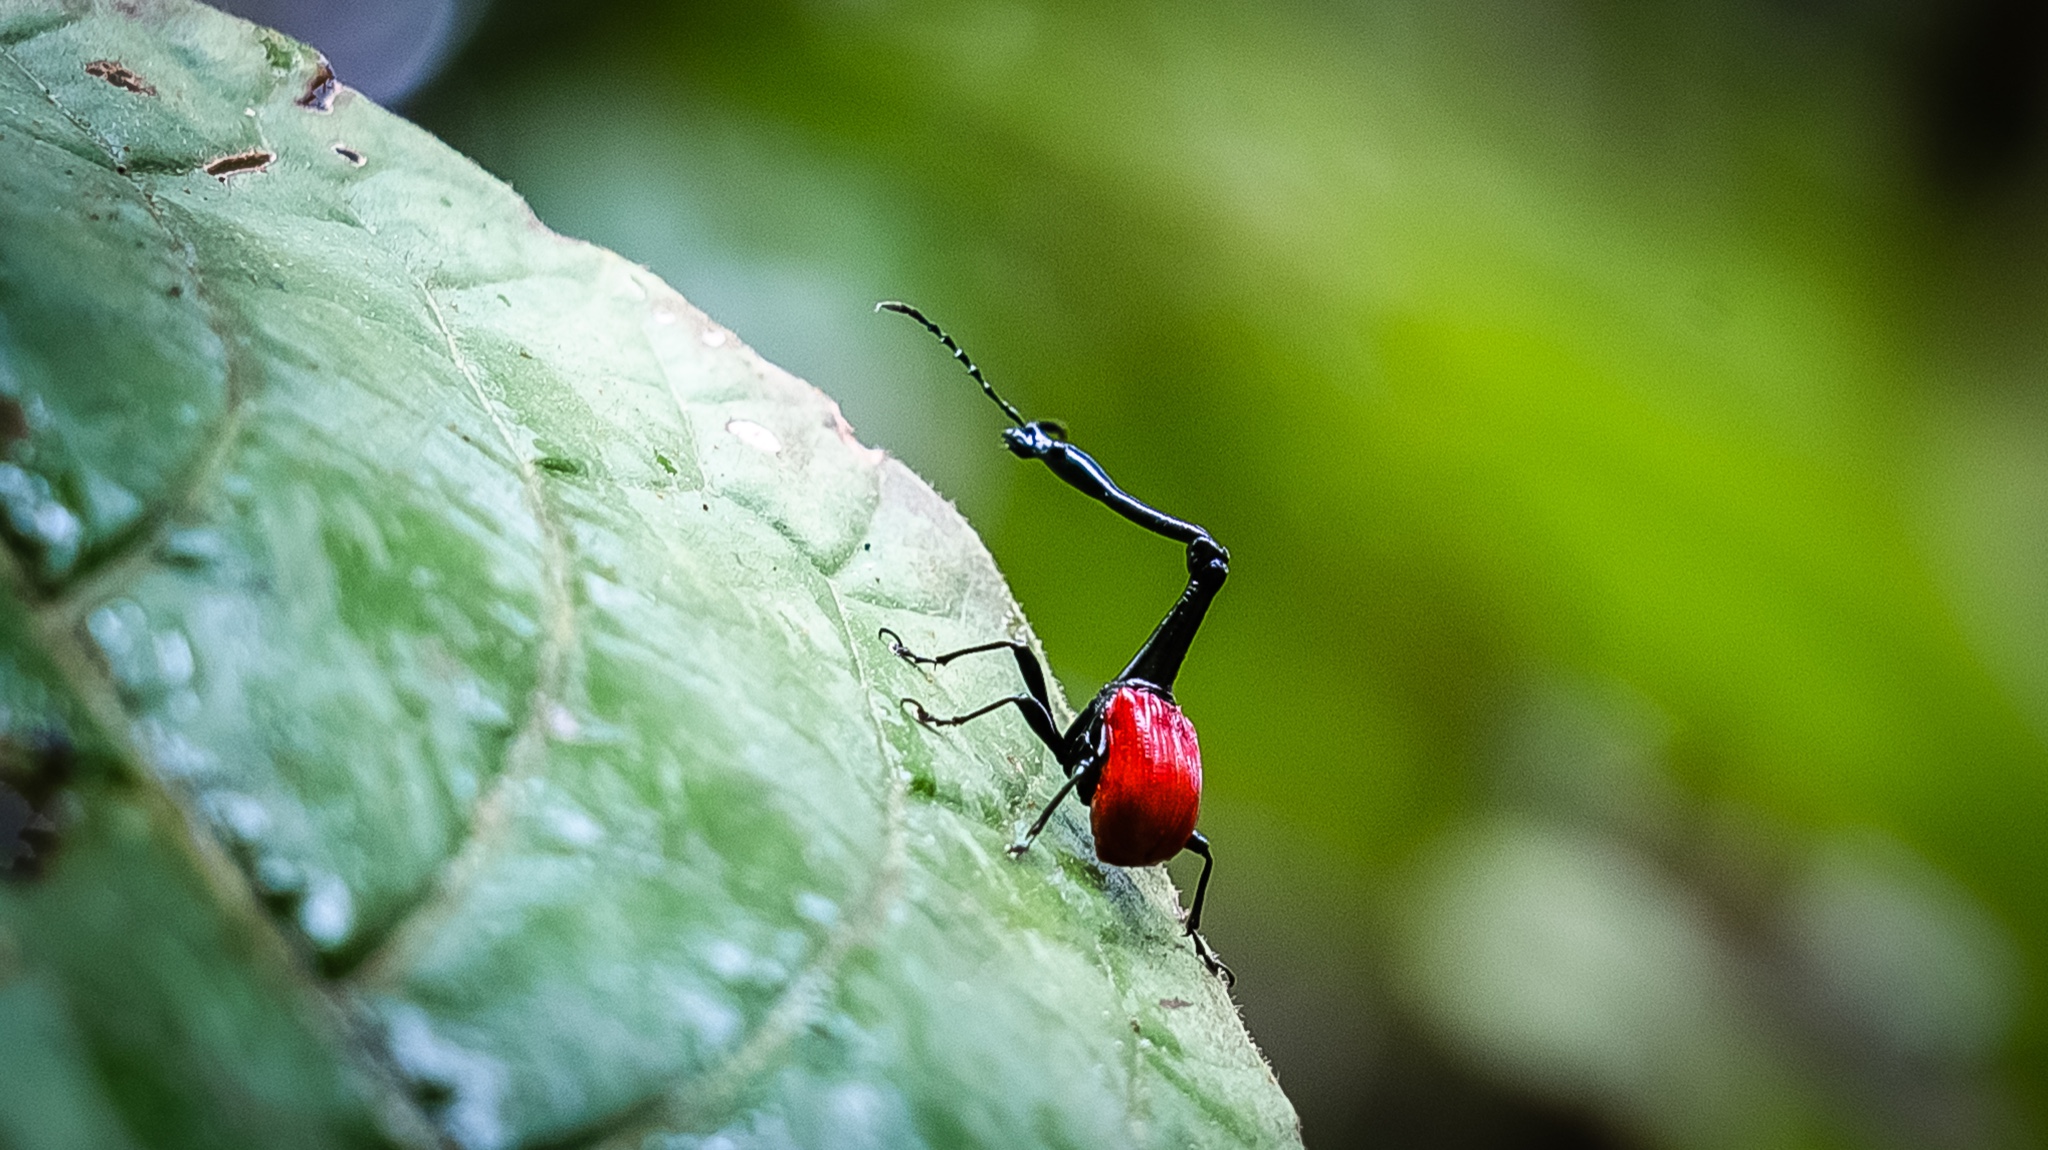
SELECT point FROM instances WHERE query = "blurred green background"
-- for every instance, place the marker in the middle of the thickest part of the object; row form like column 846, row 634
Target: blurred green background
column 1625, row 721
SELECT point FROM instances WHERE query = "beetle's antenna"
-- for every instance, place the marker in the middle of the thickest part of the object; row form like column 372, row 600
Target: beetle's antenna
column 913, row 313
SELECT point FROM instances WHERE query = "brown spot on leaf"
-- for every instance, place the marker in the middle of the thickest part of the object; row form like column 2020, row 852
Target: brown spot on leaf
column 33, row 768
column 37, row 763
column 120, row 76
column 350, row 154
column 13, row 422
column 253, row 160
column 321, row 89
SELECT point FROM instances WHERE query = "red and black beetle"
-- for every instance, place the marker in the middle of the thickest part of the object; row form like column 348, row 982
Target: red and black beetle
column 1131, row 756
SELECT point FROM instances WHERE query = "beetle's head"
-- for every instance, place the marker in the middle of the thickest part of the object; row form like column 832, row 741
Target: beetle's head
column 1034, row 440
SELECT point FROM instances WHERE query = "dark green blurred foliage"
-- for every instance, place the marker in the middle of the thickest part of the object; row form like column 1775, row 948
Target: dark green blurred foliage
column 1625, row 720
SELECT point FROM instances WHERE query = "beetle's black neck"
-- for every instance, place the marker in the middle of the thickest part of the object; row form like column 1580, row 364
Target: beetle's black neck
column 1158, row 662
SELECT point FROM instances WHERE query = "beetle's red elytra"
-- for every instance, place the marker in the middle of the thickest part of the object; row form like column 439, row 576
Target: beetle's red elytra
column 1151, row 790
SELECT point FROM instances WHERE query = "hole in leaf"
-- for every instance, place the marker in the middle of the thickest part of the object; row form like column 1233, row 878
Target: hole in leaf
column 253, row 160
column 320, row 90
column 120, row 76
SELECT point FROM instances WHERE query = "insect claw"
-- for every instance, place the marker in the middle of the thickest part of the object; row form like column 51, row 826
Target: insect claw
column 1016, row 850
column 1209, row 959
column 918, row 712
column 902, row 652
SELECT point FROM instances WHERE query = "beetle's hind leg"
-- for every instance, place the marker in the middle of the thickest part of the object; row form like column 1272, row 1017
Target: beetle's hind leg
column 1216, row 965
column 1198, row 843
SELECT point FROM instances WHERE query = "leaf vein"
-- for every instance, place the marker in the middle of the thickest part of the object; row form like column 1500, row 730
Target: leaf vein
column 57, row 620
column 114, row 565
column 526, row 752
column 707, row 1098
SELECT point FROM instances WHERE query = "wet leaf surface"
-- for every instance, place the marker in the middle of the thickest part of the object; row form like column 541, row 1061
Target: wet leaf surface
column 463, row 658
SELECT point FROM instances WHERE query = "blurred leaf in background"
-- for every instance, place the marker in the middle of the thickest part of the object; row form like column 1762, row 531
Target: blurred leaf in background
column 1625, row 721
column 388, row 48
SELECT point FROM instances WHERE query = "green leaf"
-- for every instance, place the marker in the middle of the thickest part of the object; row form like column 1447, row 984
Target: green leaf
column 445, row 665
